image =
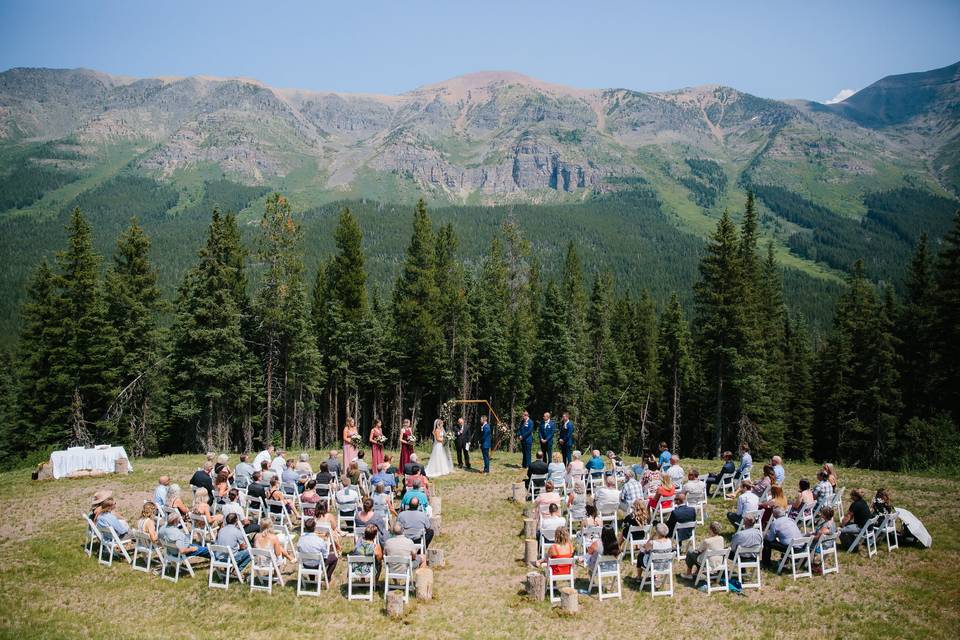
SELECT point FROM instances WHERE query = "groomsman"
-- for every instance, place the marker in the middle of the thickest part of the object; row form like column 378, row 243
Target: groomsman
column 485, row 437
column 525, row 431
column 565, row 438
column 547, row 427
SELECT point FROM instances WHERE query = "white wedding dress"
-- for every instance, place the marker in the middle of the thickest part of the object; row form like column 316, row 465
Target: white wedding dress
column 440, row 463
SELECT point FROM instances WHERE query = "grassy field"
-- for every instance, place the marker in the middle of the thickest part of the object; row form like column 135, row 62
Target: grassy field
column 52, row 589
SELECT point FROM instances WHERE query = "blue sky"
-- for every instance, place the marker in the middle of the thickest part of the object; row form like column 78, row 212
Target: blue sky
column 808, row 49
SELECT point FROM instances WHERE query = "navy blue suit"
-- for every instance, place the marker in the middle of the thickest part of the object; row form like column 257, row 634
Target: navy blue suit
column 525, row 431
column 546, row 433
column 566, row 434
column 485, row 436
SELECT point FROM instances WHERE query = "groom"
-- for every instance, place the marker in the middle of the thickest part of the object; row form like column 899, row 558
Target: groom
column 485, row 437
column 462, row 432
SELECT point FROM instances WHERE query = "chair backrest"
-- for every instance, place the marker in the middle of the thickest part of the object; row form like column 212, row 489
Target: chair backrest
column 636, row 532
column 559, row 562
column 262, row 557
column 716, row 559
column 172, row 552
column 660, row 560
column 549, row 534
column 684, row 530
column 142, row 540
column 220, row 553
column 404, row 562
column 312, row 558
column 801, row 544
column 695, row 498
column 827, row 541
column 743, row 551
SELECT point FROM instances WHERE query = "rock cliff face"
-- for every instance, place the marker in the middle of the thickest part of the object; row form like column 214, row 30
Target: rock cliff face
column 492, row 136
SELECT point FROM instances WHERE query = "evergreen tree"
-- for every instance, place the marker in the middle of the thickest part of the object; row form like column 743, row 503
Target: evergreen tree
column 604, row 376
column 9, row 386
column 455, row 319
column 678, row 377
column 915, row 332
column 634, row 326
column 798, row 392
column 574, row 300
column 946, row 325
column 768, row 357
column 348, row 279
column 521, row 303
column 555, row 355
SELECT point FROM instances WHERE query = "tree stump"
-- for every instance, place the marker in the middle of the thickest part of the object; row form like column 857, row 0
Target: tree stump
column 424, row 581
column 536, row 585
column 569, row 604
column 395, row 605
column 435, row 557
column 529, row 528
column 528, row 511
column 518, row 492
column 435, row 524
column 531, row 551
column 435, row 505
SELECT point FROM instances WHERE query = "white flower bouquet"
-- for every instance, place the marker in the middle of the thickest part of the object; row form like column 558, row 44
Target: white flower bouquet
column 356, row 440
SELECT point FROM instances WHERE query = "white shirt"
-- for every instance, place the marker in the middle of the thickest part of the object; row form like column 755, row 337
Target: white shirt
column 278, row 465
column 747, row 502
column 549, row 523
column 263, row 455
column 676, row 474
column 607, row 500
column 695, row 486
column 232, row 507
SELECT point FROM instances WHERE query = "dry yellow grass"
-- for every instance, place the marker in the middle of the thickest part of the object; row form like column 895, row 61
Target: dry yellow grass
column 50, row 588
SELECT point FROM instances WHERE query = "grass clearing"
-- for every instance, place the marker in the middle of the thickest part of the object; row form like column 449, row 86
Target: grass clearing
column 52, row 589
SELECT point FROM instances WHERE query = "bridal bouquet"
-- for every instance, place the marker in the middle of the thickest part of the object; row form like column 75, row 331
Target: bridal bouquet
column 382, row 439
column 412, row 440
column 502, row 428
column 356, row 440
column 449, row 437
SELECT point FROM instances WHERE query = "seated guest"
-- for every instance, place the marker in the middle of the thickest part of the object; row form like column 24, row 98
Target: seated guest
column 146, row 523
column 324, row 517
column 175, row 501
column 727, row 468
column 383, row 501
column 577, row 501
column 353, row 472
column 746, row 462
column 882, row 504
column 303, row 465
column 173, row 534
column 831, row 475
column 333, row 464
column 203, row 478
column 823, row 492
column 592, row 518
column 311, row 542
column 607, row 498
column 244, row 469
column 659, row 541
column 107, row 516
column 402, row 546
column 748, row 536
column 384, row 477
column 279, row 463
column 694, row 484
column 369, row 547
column 221, row 485
column 675, row 471
column 290, row 474
column 783, row 530
column 665, row 491
column 201, row 507
column 547, row 497
column 368, row 516
column 258, row 488
column 347, row 498
column 681, row 514
column 413, row 468
column 777, row 499
column 233, row 506
column 551, row 520
column 605, row 545
column 556, row 471
column 362, row 465
column 562, row 547
column 326, row 481
column 276, row 494
column 309, row 498
column 630, row 492
column 221, row 464
column 778, row 471
column 696, row 557
column 391, row 469
column 538, row 468
column 768, row 480
column 413, row 521
column 638, row 516
column 747, row 501
column 804, row 497
column 825, row 527
column 858, row 515
column 267, row 539
column 651, row 478
column 576, row 466
column 266, row 473
column 232, row 536
column 415, row 493
column 595, row 463
column 160, row 493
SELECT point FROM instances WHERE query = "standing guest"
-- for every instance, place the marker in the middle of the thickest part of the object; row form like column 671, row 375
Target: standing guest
column 310, row 542
column 525, row 433
column 746, row 462
column 221, row 485
column 858, row 515
column 264, row 456
column 556, row 470
column 173, row 534
column 244, row 469
column 783, row 531
column 666, row 491
column 175, row 500
column 368, row 547
column 565, row 437
column 462, row 439
column 631, row 491
column 546, row 430
column 107, row 516
column 146, row 523
column 202, row 478
column 676, row 472
column 765, row 482
column 747, row 501
column 309, row 498
column 681, row 514
column 368, row 516
column 232, row 536
column 303, row 465
column 279, row 463
column 694, row 484
column 349, row 448
column 413, row 520
column 376, row 447
column 233, row 506
column 267, row 539
column 160, row 492
column 823, row 492
column 663, row 460
column 486, row 436
column 202, row 508
column 696, row 557
column 406, row 443
column 749, row 536
column 541, row 506
column 221, row 464
column 728, row 468
column 402, row 546
column 778, row 471
column 333, row 466
column 562, row 547
column 577, row 501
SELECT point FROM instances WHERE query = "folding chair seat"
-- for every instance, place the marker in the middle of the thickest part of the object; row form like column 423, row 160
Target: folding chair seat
column 826, row 548
column 636, row 538
column 724, row 486
column 93, row 536
column 241, row 483
column 748, row 559
column 255, row 508
column 606, row 567
column 714, row 566
column 264, row 568
column 867, row 535
column 222, row 561
column 111, row 544
column 313, row 575
column 174, row 559
column 659, row 566
column 798, row 552
column 346, row 516
column 699, row 502
column 889, row 528
column 553, row 579
column 679, row 533
column 278, row 513
column 404, row 575
column 144, row 547
column 728, row 485
column 361, row 572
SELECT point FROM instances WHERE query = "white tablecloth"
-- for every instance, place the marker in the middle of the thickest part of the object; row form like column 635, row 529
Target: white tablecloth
column 78, row 459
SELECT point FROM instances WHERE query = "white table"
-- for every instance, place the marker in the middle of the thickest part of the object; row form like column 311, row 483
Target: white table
column 80, row 459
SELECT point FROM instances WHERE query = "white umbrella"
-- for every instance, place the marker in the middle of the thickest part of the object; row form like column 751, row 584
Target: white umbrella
column 917, row 530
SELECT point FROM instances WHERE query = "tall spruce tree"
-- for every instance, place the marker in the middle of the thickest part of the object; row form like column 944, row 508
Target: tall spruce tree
column 604, row 374
column 678, row 377
column 915, row 333
column 573, row 296
column 946, row 325
column 555, row 357
column 798, row 391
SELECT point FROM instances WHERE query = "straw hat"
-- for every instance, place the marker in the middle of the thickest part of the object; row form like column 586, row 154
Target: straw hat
column 100, row 496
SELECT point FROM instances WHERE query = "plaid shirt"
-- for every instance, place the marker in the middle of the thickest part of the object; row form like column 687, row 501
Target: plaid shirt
column 631, row 492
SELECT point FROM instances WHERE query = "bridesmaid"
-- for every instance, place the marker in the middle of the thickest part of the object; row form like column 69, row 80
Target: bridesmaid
column 406, row 447
column 376, row 448
column 349, row 449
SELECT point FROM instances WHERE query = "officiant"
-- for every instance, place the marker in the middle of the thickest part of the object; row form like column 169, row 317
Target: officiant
column 462, row 433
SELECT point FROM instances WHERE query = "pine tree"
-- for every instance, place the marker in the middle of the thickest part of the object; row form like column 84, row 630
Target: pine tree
column 677, row 375
column 9, row 386
column 455, row 319
column 604, row 375
column 555, row 356
column 348, row 279
column 574, row 300
column 768, row 355
column 798, row 392
column 946, row 325
column 915, row 332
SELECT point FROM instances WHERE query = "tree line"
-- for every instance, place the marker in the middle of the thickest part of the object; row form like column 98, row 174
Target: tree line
column 261, row 351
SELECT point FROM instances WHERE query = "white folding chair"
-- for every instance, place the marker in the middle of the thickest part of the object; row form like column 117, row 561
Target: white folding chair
column 636, row 538
column 547, row 537
column 587, row 536
column 403, row 575
column 827, row 547
column 168, row 511
column 93, row 536
column 679, row 539
column 360, row 571
column 264, row 567
column 595, row 482
column 889, row 527
column 748, row 559
column 202, row 531
column 757, row 515
column 608, row 515
column 222, row 561
column 661, row 510
column 142, row 547
column 316, row 574
column 277, row 511
column 714, row 565
column 725, row 487
column 536, row 485
column 699, row 502
column 111, row 544
column 838, row 502
column 174, row 558
column 798, row 552
column 553, row 578
column 868, row 535
column 805, row 518
column 346, row 516
column 659, row 565
column 606, row 567
column 254, row 508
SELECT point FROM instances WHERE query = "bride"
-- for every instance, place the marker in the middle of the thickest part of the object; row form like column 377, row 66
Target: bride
column 440, row 463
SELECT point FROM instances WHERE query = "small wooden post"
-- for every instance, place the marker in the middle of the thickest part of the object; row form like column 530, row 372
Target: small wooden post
column 531, row 551
column 518, row 492
column 435, row 524
column 528, row 511
column 529, row 528
column 569, row 604
column 395, row 605
column 536, row 585
column 435, row 505
column 435, row 557
column 424, row 581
